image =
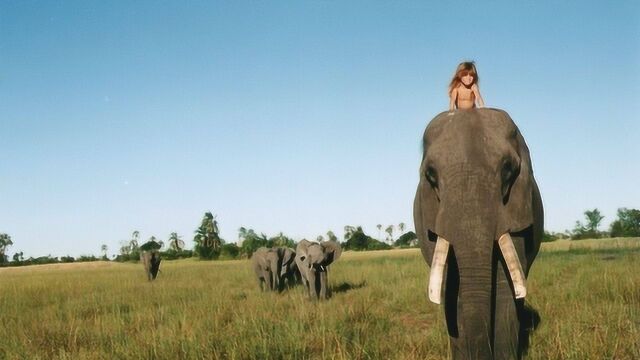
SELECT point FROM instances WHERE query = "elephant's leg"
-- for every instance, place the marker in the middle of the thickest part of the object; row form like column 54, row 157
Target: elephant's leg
column 274, row 280
column 313, row 295
column 269, row 280
column 323, row 285
column 506, row 323
column 305, row 281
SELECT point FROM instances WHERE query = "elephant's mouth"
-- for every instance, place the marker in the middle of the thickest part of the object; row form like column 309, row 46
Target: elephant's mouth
column 508, row 252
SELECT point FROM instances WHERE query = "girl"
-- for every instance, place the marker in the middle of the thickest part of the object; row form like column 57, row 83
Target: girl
column 463, row 90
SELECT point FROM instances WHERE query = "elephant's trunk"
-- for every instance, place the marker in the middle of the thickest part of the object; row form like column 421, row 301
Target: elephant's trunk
column 468, row 222
column 474, row 303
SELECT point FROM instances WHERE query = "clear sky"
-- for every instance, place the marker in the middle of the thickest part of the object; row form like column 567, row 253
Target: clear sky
column 297, row 116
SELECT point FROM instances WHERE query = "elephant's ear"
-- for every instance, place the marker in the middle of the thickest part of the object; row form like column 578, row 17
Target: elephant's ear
column 426, row 203
column 517, row 209
column 289, row 256
column 332, row 251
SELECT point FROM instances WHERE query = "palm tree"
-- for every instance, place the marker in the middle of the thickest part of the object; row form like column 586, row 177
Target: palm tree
column 135, row 236
column 320, row 238
column 389, row 230
column 175, row 243
column 401, row 228
column 5, row 242
column 379, row 226
column 242, row 235
column 207, row 240
column 348, row 231
column 103, row 248
column 331, row 236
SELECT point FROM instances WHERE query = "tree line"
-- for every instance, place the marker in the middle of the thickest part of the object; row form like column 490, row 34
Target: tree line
column 208, row 245
column 626, row 224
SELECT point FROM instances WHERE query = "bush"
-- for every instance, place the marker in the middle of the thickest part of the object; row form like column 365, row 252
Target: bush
column 67, row 259
column 408, row 239
column 357, row 240
column 549, row 237
column 229, row 251
column 374, row 244
column 627, row 224
column 174, row 255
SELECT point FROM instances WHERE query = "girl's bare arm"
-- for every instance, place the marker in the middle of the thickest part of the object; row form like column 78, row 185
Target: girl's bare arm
column 476, row 91
column 452, row 102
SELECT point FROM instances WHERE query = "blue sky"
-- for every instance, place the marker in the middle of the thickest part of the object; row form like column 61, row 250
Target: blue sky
column 298, row 117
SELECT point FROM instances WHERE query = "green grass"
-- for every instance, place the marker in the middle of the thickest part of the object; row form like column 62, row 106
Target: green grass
column 587, row 293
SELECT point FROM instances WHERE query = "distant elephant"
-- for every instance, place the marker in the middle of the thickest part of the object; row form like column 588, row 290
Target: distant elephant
column 266, row 265
column 479, row 219
column 151, row 261
column 289, row 273
column 313, row 260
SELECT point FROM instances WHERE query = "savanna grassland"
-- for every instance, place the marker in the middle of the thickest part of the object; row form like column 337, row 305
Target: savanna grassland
column 587, row 293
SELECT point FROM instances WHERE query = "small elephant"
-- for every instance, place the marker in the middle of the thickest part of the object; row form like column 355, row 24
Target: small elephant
column 313, row 260
column 151, row 261
column 266, row 265
column 289, row 269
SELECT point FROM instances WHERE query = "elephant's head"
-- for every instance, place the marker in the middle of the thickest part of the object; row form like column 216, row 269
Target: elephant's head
column 477, row 210
column 318, row 256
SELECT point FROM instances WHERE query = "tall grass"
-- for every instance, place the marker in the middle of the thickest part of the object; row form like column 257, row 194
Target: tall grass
column 588, row 298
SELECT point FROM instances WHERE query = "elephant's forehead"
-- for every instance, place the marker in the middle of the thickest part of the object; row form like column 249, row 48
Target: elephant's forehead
column 314, row 250
column 485, row 133
column 490, row 120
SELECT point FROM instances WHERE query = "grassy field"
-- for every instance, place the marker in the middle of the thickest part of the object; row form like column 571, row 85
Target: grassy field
column 587, row 293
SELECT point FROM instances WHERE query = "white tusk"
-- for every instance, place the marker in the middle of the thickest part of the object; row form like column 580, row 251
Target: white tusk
column 437, row 270
column 513, row 264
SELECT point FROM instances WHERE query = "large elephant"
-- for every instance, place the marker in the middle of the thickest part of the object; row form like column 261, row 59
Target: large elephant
column 313, row 260
column 479, row 219
column 151, row 261
column 266, row 265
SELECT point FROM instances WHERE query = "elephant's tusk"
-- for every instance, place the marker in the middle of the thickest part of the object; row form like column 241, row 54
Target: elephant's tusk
column 437, row 270
column 513, row 264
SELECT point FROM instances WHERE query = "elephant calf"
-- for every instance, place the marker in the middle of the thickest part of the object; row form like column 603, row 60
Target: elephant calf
column 313, row 260
column 151, row 261
column 265, row 263
column 273, row 267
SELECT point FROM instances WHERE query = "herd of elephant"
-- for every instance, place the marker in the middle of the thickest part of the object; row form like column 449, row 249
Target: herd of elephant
column 479, row 220
column 280, row 267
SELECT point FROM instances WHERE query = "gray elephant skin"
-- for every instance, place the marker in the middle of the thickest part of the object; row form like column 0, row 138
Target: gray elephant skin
column 479, row 219
column 265, row 263
column 313, row 260
column 289, row 274
column 151, row 261
column 274, row 267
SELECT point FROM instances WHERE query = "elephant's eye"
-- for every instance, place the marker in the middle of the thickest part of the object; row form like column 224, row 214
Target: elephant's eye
column 432, row 176
column 508, row 173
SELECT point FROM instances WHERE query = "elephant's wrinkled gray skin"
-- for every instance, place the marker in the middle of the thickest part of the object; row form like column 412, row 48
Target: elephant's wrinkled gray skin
column 275, row 268
column 313, row 260
column 266, row 265
column 476, row 185
column 289, row 273
column 151, row 261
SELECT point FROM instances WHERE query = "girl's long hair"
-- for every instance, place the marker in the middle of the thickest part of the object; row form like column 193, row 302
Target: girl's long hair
column 467, row 67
